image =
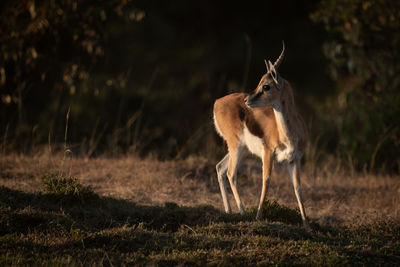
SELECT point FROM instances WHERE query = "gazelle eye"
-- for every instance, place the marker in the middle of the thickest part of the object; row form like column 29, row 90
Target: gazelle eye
column 266, row 87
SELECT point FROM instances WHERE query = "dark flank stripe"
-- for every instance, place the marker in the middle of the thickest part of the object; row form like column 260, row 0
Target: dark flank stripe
column 251, row 124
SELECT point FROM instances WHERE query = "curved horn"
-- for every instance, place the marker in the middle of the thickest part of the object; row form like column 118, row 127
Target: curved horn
column 280, row 58
column 266, row 65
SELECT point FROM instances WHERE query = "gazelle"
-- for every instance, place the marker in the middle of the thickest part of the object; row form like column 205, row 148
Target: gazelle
column 266, row 124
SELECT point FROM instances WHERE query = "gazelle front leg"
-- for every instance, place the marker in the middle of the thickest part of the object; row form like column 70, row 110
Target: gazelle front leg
column 294, row 171
column 267, row 167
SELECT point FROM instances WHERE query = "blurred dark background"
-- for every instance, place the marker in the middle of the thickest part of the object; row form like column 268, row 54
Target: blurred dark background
column 142, row 76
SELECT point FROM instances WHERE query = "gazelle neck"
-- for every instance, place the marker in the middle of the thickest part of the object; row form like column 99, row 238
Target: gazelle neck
column 283, row 123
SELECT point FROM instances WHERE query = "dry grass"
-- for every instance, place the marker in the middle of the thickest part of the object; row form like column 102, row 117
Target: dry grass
column 330, row 198
column 66, row 224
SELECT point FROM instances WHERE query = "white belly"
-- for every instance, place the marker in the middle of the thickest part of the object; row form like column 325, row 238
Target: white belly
column 281, row 154
column 253, row 143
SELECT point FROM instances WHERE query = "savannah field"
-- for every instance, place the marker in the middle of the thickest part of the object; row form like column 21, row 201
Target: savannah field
column 65, row 211
column 108, row 147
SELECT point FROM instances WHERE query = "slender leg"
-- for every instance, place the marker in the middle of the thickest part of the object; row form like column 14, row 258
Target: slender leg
column 267, row 167
column 294, row 171
column 222, row 168
column 232, row 169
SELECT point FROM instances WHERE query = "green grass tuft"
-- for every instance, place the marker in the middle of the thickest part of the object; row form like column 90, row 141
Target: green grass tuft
column 66, row 188
column 274, row 212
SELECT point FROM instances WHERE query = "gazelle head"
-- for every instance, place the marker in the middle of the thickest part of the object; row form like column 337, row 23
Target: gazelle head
column 268, row 91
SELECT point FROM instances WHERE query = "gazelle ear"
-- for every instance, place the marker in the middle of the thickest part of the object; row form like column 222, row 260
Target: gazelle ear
column 272, row 71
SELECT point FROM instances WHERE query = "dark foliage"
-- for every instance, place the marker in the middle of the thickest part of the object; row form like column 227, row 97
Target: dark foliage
column 364, row 55
column 142, row 76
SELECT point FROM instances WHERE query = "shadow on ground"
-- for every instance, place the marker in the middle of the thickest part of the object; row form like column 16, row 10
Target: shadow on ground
column 83, row 228
column 22, row 212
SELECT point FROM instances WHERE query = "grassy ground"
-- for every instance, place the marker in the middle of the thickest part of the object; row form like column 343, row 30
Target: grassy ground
column 133, row 211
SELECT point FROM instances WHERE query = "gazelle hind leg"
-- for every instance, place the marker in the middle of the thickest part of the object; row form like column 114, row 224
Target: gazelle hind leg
column 267, row 167
column 294, row 172
column 222, row 168
column 234, row 158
